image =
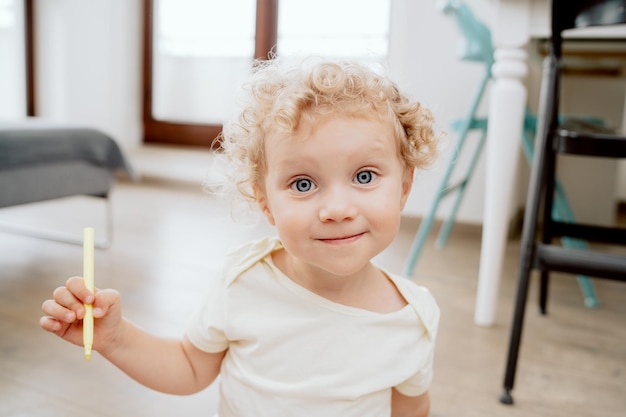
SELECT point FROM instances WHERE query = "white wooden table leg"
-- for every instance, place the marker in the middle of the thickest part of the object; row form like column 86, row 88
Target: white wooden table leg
column 506, row 114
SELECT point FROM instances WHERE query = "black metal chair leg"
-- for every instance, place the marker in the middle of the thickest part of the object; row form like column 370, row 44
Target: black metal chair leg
column 525, row 267
column 529, row 231
column 516, row 333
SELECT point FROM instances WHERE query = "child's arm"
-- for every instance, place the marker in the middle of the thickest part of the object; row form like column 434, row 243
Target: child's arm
column 405, row 406
column 166, row 365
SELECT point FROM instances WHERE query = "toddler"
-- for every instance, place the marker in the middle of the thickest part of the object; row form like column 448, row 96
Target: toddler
column 302, row 324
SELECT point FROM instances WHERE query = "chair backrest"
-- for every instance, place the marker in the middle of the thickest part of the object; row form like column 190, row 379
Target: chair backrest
column 569, row 14
column 476, row 44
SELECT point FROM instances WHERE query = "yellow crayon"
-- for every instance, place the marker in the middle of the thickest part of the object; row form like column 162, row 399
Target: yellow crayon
column 88, row 276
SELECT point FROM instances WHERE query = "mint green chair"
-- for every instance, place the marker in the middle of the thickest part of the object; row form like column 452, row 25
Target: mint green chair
column 476, row 46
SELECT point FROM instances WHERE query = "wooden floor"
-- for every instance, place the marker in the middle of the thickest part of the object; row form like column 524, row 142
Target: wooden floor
column 169, row 239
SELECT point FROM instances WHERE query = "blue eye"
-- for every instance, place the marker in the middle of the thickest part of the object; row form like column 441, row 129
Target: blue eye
column 365, row 177
column 303, row 185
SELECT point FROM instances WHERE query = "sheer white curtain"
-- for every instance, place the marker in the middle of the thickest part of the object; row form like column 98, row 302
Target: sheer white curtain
column 203, row 49
column 12, row 60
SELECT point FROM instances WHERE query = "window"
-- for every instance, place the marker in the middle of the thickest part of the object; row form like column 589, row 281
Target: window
column 199, row 52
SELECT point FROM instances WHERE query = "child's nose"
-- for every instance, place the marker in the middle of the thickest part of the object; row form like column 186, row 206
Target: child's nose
column 337, row 206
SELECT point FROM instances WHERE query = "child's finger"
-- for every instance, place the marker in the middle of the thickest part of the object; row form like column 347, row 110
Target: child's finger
column 64, row 298
column 51, row 324
column 76, row 285
column 58, row 312
column 105, row 299
column 69, row 331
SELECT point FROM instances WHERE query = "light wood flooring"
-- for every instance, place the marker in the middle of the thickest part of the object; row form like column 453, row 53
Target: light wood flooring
column 169, row 238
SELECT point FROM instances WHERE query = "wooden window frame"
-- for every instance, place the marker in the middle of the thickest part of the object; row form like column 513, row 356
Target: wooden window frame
column 29, row 55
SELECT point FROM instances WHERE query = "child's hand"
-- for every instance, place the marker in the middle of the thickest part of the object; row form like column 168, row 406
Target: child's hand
column 64, row 314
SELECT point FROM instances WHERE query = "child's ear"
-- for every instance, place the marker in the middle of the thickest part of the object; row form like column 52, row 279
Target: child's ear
column 261, row 200
column 407, row 183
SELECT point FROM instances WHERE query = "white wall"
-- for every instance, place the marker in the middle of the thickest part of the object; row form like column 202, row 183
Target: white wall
column 89, row 64
column 89, row 72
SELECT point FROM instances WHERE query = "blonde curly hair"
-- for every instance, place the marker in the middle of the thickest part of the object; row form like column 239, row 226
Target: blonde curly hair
column 277, row 97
